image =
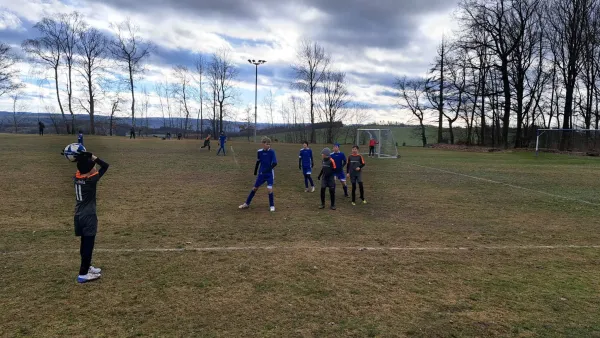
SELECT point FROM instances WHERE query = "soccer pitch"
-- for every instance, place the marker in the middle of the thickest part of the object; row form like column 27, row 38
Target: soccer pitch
column 450, row 244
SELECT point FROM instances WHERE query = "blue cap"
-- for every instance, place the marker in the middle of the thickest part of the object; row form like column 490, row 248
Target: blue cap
column 336, row 145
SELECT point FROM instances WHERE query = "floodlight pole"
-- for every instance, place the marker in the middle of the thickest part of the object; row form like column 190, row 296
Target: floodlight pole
column 256, row 64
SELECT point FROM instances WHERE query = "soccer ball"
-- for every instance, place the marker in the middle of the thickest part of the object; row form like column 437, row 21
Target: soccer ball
column 72, row 150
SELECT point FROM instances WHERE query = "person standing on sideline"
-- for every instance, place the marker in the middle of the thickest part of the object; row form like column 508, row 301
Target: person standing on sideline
column 41, row 127
column 85, row 220
column 80, row 137
column 132, row 133
column 222, row 141
column 372, row 144
column 207, row 142
column 328, row 172
column 340, row 162
column 306, row 163
column 264, row 170
column 355, row 164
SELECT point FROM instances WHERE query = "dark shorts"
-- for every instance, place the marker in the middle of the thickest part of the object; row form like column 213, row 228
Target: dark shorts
column 328, row 182
column 307, row 170
column 356, row 178
column 86, row 225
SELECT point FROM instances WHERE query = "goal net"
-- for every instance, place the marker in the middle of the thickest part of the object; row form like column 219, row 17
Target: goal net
column 586, row 141
column 385, row 146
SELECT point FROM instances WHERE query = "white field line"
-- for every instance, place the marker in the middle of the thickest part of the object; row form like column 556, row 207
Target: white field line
column 315, row 248
column 506, row 184
column 234, row 158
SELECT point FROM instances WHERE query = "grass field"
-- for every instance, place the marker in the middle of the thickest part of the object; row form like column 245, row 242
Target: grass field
column 449, row 253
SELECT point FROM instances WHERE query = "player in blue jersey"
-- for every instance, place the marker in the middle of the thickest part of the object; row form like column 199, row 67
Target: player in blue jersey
column 306, row 163
column 340, row 163
column 266, row 162
column 80, row 137
column 222, row 141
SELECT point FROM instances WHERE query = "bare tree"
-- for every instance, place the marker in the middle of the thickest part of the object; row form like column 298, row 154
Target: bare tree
column 200, row 64
column 46, row 50
column 334, row 101
column 269, row 105
column 222, row 73
column 91, row 47
column 18, row 110
column 568, row 33
column 436, row 84
column 182, row 90
column 131, row 50
column 413, row 98
column 309, row 72
column 504, row 23
column 71, row 27
column 8, row 74
column 248, row 122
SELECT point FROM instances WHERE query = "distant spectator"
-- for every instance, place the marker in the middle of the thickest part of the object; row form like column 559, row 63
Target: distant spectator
column 179, row 136
column 80, row 137
column 41, row 126
column 132, row 133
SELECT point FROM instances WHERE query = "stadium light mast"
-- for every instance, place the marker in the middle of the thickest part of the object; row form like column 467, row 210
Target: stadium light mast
column 256, row 63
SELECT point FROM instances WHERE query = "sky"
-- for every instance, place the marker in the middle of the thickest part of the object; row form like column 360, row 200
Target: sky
column 372, row 41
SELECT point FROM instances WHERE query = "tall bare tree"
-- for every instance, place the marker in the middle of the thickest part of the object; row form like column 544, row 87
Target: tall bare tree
column 18, row 109
column 71, row 27
column 568, row 33
column 130, row 49
column 182, row 90
column 269, row 105
column 413, row 97
column 334, row 101
column 222, row 73
column 91, row 47
column 309, row 72
column 8, row 73
column 200, row 64
column 46, row 50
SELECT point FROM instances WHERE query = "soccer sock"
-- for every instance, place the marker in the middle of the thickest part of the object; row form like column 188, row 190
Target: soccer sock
column 362, row 191
column 86, row 249
column 250, row 197
column 312, row 184
column 353, row 192
column 271, row 200
column 323, row 196
column 332, row 196
column 306, row 181
column 345, row 190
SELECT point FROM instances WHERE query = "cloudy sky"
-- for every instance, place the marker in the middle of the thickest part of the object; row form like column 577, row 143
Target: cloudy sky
column 373, row 41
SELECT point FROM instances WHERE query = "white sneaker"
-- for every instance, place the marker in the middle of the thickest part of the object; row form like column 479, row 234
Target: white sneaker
column 94, row 270
column 312, row 189
column 87, row 278
column 306, row 190
column 244, row 206
column 272, row 209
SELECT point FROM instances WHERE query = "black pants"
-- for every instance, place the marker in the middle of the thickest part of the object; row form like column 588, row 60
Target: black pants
column 331, row 195
column 85, row 250
column 362, row 191
column 371, row 150
column 132, row 136
column 42, row 132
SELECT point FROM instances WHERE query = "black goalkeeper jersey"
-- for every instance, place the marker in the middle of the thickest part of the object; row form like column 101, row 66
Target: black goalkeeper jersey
column 85, row 190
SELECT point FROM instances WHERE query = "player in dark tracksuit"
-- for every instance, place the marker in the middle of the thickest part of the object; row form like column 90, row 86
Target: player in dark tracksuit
column 355, row 164
column 328, row 172
column 207, row 142
column 86, row 221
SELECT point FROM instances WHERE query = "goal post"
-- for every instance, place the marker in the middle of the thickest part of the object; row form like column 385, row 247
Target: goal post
column 386, row 144
column 570, row 140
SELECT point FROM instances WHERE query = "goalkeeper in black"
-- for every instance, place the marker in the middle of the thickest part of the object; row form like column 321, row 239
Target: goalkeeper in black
column 86, row 221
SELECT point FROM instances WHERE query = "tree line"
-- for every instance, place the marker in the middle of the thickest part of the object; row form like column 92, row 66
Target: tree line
column 513, row 67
